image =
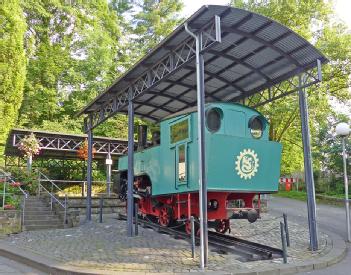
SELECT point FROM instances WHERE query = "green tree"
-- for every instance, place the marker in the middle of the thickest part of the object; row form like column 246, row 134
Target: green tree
column 155, row 21
column 12, row 65
column 76, row 51
column 73, row 56
column 315, row 21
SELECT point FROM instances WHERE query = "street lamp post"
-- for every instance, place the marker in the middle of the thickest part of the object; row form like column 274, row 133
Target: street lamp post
column 343, row 130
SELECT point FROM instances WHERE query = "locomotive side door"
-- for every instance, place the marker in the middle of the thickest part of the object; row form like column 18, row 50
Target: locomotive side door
column 179, row 139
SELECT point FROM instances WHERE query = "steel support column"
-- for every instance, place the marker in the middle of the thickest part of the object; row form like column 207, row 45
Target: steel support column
column 108, row 171
column 346, row 182
column 89, row 171
column 130, row 200
column 201, row 149
column 311, row 198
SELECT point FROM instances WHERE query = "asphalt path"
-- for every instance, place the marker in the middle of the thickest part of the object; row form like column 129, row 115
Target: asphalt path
column 330, row 218
column 11, row 267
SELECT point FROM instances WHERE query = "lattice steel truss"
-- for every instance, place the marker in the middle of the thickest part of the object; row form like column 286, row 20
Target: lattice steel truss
column 71, row 144
column 285, row 88
column 177, row 58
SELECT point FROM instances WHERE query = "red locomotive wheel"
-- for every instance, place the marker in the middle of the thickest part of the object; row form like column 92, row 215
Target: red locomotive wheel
column 164, row 218
column 222, row 226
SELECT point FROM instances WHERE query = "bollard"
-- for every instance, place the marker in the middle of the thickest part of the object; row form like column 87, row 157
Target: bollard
column 192, row 237
column 101, row 205
column 283, row 242
column 136, row 211
column 285, row 217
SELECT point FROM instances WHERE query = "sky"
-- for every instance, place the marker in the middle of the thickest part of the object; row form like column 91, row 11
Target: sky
column 342, row 7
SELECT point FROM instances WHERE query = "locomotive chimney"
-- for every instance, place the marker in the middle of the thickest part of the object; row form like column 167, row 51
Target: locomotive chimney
column 142, row 136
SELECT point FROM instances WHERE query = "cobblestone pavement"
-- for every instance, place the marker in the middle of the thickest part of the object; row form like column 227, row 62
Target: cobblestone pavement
column 106, row 247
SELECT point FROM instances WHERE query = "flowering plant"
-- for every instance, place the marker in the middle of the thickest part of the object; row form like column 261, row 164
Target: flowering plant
column 15, row 184
column 29, row 145
column 83, row 151
column 9, row 207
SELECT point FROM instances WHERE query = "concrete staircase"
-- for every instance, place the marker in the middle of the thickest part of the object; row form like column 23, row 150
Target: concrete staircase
column 112, row 206
column 38, row 215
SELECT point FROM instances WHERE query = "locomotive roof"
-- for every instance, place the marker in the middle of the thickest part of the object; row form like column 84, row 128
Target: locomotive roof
column 245, row 53
column 194, row 109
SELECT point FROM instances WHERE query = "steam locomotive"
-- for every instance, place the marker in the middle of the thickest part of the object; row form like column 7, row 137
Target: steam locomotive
column 241, row 164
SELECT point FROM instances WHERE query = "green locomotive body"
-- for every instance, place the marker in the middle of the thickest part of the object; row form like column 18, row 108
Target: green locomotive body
column 235, row 160
column 241, row 163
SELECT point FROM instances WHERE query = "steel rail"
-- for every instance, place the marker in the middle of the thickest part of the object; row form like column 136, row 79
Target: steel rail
column 268, row 251
column 249, row 251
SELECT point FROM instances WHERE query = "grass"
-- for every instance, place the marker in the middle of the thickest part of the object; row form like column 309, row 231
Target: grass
column 297, row 195
column 302, row 196
column 76, row 190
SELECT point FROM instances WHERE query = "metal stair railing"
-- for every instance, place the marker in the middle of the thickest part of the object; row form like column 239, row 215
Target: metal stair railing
column 51, row 193
column 9, row 178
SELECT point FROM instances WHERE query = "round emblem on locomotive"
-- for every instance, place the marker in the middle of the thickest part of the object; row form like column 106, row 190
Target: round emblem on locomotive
column 247, row 164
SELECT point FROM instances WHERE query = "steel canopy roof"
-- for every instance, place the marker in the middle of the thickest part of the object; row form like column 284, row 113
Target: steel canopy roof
column 244, row 53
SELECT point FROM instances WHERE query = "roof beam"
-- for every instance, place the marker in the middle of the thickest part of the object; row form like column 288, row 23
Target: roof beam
column 263, row 42
column 238, row 61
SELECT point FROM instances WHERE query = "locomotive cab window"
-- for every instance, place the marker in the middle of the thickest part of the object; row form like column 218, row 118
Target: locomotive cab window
column 256, row 126
column 179, row 131
column 213, row 119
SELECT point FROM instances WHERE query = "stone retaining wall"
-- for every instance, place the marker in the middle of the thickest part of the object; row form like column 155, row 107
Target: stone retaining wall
column 10, row 221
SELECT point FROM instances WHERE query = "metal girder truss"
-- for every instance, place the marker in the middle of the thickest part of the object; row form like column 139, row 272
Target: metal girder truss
column 309, row 78
column 176, row 58
column 72, row 144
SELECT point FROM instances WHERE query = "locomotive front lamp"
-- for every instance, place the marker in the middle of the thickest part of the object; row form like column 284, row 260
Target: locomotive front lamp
column 343, row 130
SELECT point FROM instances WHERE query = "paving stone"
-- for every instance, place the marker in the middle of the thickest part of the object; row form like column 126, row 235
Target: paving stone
column 106, row 247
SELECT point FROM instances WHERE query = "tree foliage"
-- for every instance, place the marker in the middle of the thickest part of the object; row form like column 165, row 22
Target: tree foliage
column 76, row 51
column 12, row 65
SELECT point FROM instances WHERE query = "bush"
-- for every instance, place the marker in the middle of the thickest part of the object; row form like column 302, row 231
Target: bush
column 29, row 181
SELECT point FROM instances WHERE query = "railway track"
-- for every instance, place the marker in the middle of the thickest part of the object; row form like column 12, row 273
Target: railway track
column 220, row 243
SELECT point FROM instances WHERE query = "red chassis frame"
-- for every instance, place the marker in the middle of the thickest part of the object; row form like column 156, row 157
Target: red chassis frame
column 179, row 207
